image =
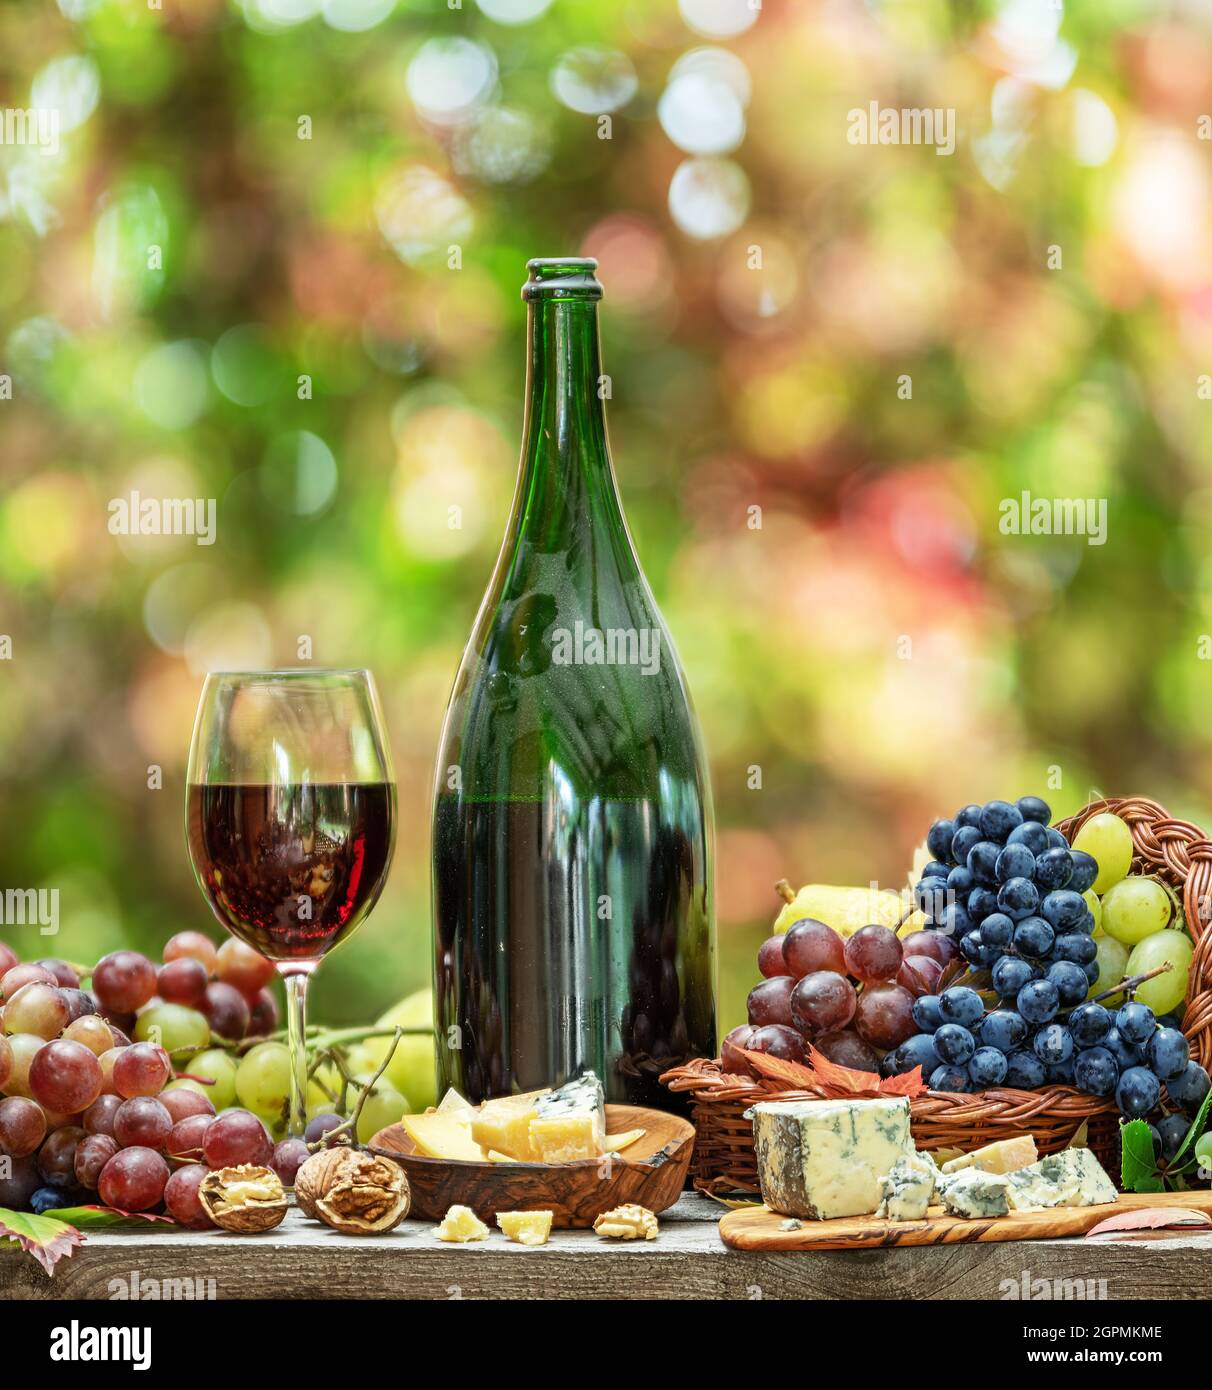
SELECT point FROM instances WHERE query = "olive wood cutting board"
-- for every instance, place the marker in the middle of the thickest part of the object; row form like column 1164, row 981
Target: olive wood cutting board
column 759, row 1228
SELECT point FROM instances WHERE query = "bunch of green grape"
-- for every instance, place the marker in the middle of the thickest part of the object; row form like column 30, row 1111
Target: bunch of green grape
column 1138, row 927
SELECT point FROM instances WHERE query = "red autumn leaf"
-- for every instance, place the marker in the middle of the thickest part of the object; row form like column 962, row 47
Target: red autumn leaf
column 1150, row 1219
column 830, row 1079
column 909, row 1084
column 799, row 1078
column 734, row 1061
column 844, row 1079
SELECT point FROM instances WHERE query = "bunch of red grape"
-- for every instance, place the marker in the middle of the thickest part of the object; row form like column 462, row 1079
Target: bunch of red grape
column 851, row 998
column 89, row 1113
column 227, row 986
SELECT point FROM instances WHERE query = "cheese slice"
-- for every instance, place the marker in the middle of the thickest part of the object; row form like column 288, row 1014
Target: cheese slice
column 616, row 1143
column 526, row 1227
column 440, row 1136
column 1002, row 1157
column 456, row 1107
column 827, row 1158
column 459, row 1225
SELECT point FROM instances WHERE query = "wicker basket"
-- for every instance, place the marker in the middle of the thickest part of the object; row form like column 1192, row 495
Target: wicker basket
column 1176, row 851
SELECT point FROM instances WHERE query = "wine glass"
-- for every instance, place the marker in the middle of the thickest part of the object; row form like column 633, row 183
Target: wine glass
column 290, row 819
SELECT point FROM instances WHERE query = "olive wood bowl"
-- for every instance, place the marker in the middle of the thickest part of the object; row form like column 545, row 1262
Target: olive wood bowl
column 651, row 1173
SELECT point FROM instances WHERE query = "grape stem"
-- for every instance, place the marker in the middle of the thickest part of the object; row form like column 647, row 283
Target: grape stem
column 337, row 1037
column 319, row 1040
column 350, row 1126
column 1128, row 985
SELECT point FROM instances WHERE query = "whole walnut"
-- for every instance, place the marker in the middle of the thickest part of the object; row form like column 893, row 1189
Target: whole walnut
column 246, row 1198
column 355, row 1193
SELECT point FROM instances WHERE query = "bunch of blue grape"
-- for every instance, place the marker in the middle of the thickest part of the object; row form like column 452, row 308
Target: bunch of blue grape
column 1006, row 888
column 1128, row 1054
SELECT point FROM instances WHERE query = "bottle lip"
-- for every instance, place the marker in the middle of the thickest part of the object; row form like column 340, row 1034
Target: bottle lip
column 562, row 277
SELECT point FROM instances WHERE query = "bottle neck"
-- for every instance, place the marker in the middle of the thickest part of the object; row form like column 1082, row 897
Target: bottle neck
column 566, row 479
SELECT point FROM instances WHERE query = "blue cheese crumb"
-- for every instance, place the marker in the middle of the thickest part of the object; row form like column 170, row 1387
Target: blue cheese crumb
column 907, row 1189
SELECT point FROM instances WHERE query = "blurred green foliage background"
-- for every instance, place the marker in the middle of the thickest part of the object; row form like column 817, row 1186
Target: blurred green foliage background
column 274, row 258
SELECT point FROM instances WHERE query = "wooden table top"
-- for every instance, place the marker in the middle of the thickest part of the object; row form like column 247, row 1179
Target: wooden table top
column 301, row 1259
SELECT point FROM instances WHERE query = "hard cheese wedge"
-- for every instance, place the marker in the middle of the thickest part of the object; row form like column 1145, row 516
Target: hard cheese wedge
column 440, row 1136
column 1002, row 1157
column 504, row 1126
column 827, row 1158
column 550, row 1126
column 570, row 1123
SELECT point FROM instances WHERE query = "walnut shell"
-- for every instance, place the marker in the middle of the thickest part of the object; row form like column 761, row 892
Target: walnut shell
column 247, row 1199
column 355, row 1193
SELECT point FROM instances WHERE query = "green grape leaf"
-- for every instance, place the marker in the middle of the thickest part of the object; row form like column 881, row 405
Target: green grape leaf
column 1138, row 1170
column 94, row 1218
column 1197, row 1127
column 46, row 1239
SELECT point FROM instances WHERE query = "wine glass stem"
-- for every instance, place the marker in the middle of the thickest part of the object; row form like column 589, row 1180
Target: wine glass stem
column 296, row 1040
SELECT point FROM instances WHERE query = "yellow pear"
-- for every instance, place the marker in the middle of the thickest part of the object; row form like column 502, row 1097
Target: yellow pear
column 847, row 909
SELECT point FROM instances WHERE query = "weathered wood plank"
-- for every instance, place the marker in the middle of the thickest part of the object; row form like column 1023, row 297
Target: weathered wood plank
column 689, row 1261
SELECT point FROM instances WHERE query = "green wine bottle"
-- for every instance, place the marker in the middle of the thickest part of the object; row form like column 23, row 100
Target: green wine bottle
column 572, row 832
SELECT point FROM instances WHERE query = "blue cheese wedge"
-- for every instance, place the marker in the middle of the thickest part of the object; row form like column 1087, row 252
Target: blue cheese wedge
column 974, row 1193
column 908, row 1188
column 825, row 1158
column 1071, row 1178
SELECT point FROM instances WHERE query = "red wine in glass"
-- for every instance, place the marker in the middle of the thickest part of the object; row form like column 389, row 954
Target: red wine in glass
column 291, row 868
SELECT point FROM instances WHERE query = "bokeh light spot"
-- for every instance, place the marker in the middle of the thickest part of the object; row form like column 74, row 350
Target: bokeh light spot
column 299, row 473
column 448, row 78
column 708, row 197
column 719, row 19
column 632, row 259
column 701, row 114
column 229, row 637
column 171, row 385
column 176, row 598
column 500, row 145
column 720, row 64
column 1095, row 129
column 356, row 16
column 514, row 11
column 420, row 213
column 71, row 86
column 242, row 364
column 594, row 81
